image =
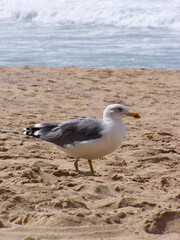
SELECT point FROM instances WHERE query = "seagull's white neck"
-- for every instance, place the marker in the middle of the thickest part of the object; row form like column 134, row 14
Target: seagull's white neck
column 115, row 130
column 108, row 117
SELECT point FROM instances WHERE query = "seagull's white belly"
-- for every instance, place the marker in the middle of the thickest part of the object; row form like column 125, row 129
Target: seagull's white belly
column 96, row 148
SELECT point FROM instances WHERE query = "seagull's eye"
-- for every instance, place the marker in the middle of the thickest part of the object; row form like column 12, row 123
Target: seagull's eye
column 119, row 109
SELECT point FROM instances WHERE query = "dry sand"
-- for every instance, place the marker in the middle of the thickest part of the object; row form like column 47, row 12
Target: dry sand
column 135, row 193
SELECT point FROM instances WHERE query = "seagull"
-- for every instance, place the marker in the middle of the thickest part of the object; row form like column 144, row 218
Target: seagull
column 87, row 138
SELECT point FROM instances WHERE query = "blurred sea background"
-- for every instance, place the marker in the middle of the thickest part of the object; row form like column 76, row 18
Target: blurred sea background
column 90, row 33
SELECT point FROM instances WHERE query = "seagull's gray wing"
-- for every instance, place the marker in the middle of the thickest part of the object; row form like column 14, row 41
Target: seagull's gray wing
column 68, row 132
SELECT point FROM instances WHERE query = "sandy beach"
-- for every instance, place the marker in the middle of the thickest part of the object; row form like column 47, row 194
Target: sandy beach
column 135, row 193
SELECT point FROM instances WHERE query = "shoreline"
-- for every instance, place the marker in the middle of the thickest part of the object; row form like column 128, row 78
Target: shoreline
column 71, row 66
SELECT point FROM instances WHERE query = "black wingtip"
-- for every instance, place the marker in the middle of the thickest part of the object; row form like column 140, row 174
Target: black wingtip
column 31, row 132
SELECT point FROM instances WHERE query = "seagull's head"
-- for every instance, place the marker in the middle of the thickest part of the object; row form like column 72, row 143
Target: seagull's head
column 117, row 112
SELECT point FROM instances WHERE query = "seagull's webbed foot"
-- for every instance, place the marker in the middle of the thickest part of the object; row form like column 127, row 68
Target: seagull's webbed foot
column 90, row 164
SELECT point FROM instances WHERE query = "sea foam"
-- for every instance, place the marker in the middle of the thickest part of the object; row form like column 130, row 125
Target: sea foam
column 130, row 13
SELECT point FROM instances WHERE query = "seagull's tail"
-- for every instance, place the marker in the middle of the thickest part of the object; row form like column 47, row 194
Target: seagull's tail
column 32, row 131
column 40, row 130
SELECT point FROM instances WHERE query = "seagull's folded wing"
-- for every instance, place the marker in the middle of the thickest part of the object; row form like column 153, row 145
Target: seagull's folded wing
column 68, row 132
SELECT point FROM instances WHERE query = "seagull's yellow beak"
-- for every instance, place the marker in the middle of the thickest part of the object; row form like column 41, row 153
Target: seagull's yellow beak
column 134, row 115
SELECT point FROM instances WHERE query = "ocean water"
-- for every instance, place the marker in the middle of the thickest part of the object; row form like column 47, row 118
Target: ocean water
column 83, row 33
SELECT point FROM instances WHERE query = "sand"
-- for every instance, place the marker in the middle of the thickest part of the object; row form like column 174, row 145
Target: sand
column 135, row 193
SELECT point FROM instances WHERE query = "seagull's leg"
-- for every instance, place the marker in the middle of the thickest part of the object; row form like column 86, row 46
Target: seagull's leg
column 91, row 166
column 76, row 164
